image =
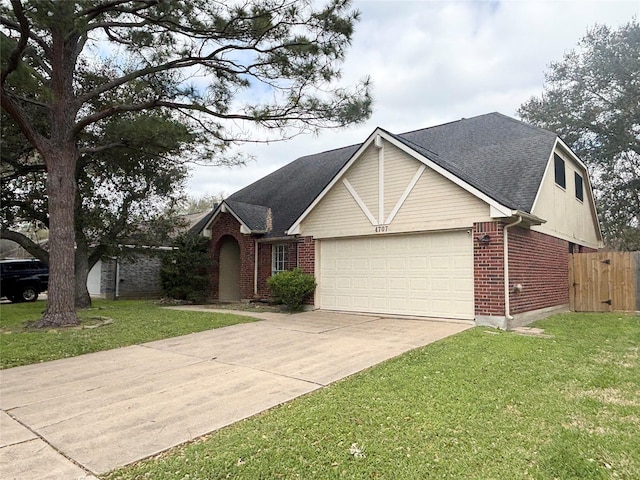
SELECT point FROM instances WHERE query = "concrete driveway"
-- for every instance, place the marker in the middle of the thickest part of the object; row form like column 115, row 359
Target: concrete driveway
column 84, row 416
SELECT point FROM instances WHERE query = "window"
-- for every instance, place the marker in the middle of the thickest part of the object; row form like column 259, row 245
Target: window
column 558, row 164
column 279, row 258
column 579, row 187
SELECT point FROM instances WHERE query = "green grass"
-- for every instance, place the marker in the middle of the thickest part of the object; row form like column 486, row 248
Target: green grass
column 134, row 322
column 480, row 405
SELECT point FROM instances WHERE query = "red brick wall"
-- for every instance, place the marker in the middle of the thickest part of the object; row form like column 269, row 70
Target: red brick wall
column 307, row 255
column 264, row 268
column 488, row 270
column 226, row 225
column 307, row 260
column 300, row 253
column 539, row 263
column 265, row 263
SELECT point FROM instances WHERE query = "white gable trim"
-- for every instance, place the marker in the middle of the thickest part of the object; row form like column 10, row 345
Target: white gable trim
column 380, row 147
column 359, row 201
column 225, row 208
column 406, row 193
column 547, row 168
column 497, row 207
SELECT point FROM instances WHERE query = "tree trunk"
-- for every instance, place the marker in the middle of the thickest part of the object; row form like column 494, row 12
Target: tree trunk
column 82, row 297
column 61, row 188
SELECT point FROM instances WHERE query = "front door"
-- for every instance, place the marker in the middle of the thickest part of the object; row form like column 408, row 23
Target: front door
column 229, row 280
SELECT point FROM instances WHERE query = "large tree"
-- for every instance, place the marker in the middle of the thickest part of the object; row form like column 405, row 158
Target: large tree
column 129, row 177
column 198, row 59
column 592, row 100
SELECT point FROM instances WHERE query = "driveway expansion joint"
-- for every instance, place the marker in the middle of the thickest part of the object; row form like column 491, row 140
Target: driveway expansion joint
column 38, row 436
column 271, row 372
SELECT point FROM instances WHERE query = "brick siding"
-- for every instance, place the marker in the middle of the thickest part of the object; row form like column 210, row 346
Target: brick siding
column 307, row 260
column 264, row 268
column 539, row 263
column 488, row 269
column 225, row 225
column 307, row 255
column 265, row 263
column 140, row 276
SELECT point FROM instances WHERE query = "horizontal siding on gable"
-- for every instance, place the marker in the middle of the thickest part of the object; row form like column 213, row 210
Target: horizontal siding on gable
column 336, row 215
column 436, row 200
column 435, row 203
column 363, row 176
column 399, row 169
column 566, row 217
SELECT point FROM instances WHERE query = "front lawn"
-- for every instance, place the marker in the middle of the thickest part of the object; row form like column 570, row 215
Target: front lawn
column 134, row 321
column 483, row 404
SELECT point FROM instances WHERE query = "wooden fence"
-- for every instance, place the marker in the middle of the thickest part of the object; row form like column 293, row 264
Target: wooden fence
column 604, row 281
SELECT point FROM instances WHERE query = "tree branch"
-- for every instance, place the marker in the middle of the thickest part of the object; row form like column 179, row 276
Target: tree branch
column 16, row 54
column 22, row 120
column 26, row 243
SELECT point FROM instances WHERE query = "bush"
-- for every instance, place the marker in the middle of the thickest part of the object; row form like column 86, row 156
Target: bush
column 184, row 274
column 292, row 287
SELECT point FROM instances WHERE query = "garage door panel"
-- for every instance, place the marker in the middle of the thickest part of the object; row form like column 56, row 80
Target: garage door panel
column 360, row 264
column 419, row 262
column 419, row 285
column 423, row 274
column 379, row 303
column 398, row 264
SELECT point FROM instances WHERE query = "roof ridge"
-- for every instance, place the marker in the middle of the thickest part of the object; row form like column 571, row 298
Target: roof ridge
column 245, row 203
column 406, row 140
column 436, row 126
column 331, row 150
column 523, row 123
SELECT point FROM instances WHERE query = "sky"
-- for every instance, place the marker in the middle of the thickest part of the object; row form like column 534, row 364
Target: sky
column 432, row 62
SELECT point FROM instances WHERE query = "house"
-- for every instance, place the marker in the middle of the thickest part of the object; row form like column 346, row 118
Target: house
column 137, row 274
column 471, row 220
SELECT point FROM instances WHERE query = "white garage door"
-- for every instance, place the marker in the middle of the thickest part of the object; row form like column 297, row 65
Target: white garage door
column 423, row 274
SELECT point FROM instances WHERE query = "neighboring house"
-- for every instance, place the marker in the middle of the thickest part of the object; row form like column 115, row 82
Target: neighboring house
column 136, row 275
column 427, row 223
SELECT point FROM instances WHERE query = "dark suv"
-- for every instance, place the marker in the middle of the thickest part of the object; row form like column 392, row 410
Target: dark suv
column 23, row 280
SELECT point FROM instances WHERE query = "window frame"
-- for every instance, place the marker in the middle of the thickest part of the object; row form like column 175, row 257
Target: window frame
column 279, row 257
column 559, row 176
column 579, row 193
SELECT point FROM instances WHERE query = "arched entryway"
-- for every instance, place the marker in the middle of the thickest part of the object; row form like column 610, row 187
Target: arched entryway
column 229, row 270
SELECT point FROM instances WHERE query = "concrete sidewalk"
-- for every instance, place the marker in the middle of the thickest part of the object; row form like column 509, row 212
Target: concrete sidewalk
column 84, row 416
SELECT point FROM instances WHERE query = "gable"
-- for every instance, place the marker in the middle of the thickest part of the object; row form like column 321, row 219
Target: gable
column 501, row 156
column 288, row 191
column 385, row 190
column 567, row 216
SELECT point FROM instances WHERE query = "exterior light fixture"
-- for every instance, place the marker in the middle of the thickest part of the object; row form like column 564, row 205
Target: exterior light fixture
column 484, row 240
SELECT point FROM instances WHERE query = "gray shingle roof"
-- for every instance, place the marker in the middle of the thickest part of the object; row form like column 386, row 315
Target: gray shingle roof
column 291, row 189
column 256, row 217
column 502, row 157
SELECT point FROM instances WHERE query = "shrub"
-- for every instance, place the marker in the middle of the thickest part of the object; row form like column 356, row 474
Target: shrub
column 292, row 287
column 184, row 273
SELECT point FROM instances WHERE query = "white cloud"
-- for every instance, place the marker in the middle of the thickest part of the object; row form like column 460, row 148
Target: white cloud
column 438, row 61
